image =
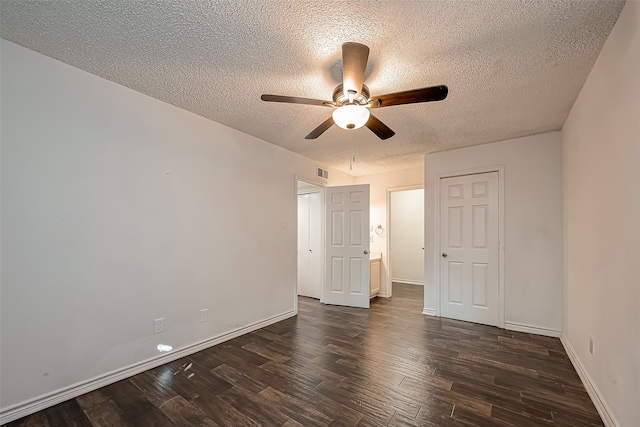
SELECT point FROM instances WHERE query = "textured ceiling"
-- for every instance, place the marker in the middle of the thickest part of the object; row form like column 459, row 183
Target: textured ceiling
column 513, row 67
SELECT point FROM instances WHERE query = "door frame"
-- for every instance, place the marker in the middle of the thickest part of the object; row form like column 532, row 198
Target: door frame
column 487, row 169
column 322, row 186
column 388, row 277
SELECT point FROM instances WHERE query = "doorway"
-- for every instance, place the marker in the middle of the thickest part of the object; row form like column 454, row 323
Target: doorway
column 405, row 237
column 310, row 248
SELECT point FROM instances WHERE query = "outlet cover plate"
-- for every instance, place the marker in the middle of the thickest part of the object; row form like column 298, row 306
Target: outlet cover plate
column 158, row 325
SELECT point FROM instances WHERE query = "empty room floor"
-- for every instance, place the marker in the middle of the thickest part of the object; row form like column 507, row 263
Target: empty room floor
column 389, row 365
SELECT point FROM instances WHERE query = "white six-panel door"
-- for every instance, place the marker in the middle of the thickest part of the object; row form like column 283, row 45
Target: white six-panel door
column 347, row 245
column 469, row 248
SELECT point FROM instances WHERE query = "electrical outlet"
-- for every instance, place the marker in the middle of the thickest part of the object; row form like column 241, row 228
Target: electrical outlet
column 158, row 325
column 591, row 345
column 204, row 315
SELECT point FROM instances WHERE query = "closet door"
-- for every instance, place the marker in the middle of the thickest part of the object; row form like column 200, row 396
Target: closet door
column 469, row 248
column 304, row 287
column 315, row 245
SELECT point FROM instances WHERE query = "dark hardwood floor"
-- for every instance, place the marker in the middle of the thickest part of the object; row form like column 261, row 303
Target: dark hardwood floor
column 389, row 365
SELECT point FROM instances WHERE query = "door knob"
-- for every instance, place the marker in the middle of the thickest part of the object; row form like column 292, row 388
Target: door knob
column 366, row 252
column 444, row 255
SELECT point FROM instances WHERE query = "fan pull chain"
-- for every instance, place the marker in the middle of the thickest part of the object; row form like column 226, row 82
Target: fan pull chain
column 351, row 157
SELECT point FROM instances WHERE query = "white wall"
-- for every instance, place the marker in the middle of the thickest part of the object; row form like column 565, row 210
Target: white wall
column 118, row 209
column 533, row 225
column 378, row 186
column 601, row 148
column 406, row 236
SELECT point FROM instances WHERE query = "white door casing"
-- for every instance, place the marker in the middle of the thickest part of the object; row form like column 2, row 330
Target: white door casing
column 347, row 246
column 469, row 248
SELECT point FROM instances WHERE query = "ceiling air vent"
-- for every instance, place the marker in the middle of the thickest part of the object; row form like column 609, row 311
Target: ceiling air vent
column 323, row 173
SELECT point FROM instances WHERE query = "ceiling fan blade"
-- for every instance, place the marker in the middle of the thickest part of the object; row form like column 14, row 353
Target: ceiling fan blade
column 379, row 128
column 296, row 100
column 426, row 94
column 320, row 129
column 354, row 64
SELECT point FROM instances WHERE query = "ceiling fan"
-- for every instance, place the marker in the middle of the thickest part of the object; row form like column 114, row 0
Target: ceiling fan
column 352, row 99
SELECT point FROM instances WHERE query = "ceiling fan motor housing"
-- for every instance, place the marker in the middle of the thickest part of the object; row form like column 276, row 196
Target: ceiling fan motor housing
column 339, row 98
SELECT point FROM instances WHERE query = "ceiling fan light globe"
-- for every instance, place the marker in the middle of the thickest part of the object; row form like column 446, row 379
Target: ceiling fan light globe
column 351, row 116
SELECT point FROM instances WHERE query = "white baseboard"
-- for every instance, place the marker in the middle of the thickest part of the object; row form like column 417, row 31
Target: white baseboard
column 429, row 311
column 39, row 403
column 531, row 329
column 603, row 409
column 408, row 282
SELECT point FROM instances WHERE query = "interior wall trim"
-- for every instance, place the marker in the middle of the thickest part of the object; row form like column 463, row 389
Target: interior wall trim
column 409, row 282
column 39, row 403
column 531, row 329
column 596, row 397
column 429, row 311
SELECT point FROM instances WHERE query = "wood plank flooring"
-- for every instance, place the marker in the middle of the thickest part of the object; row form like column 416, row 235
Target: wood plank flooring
column 389, row 365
